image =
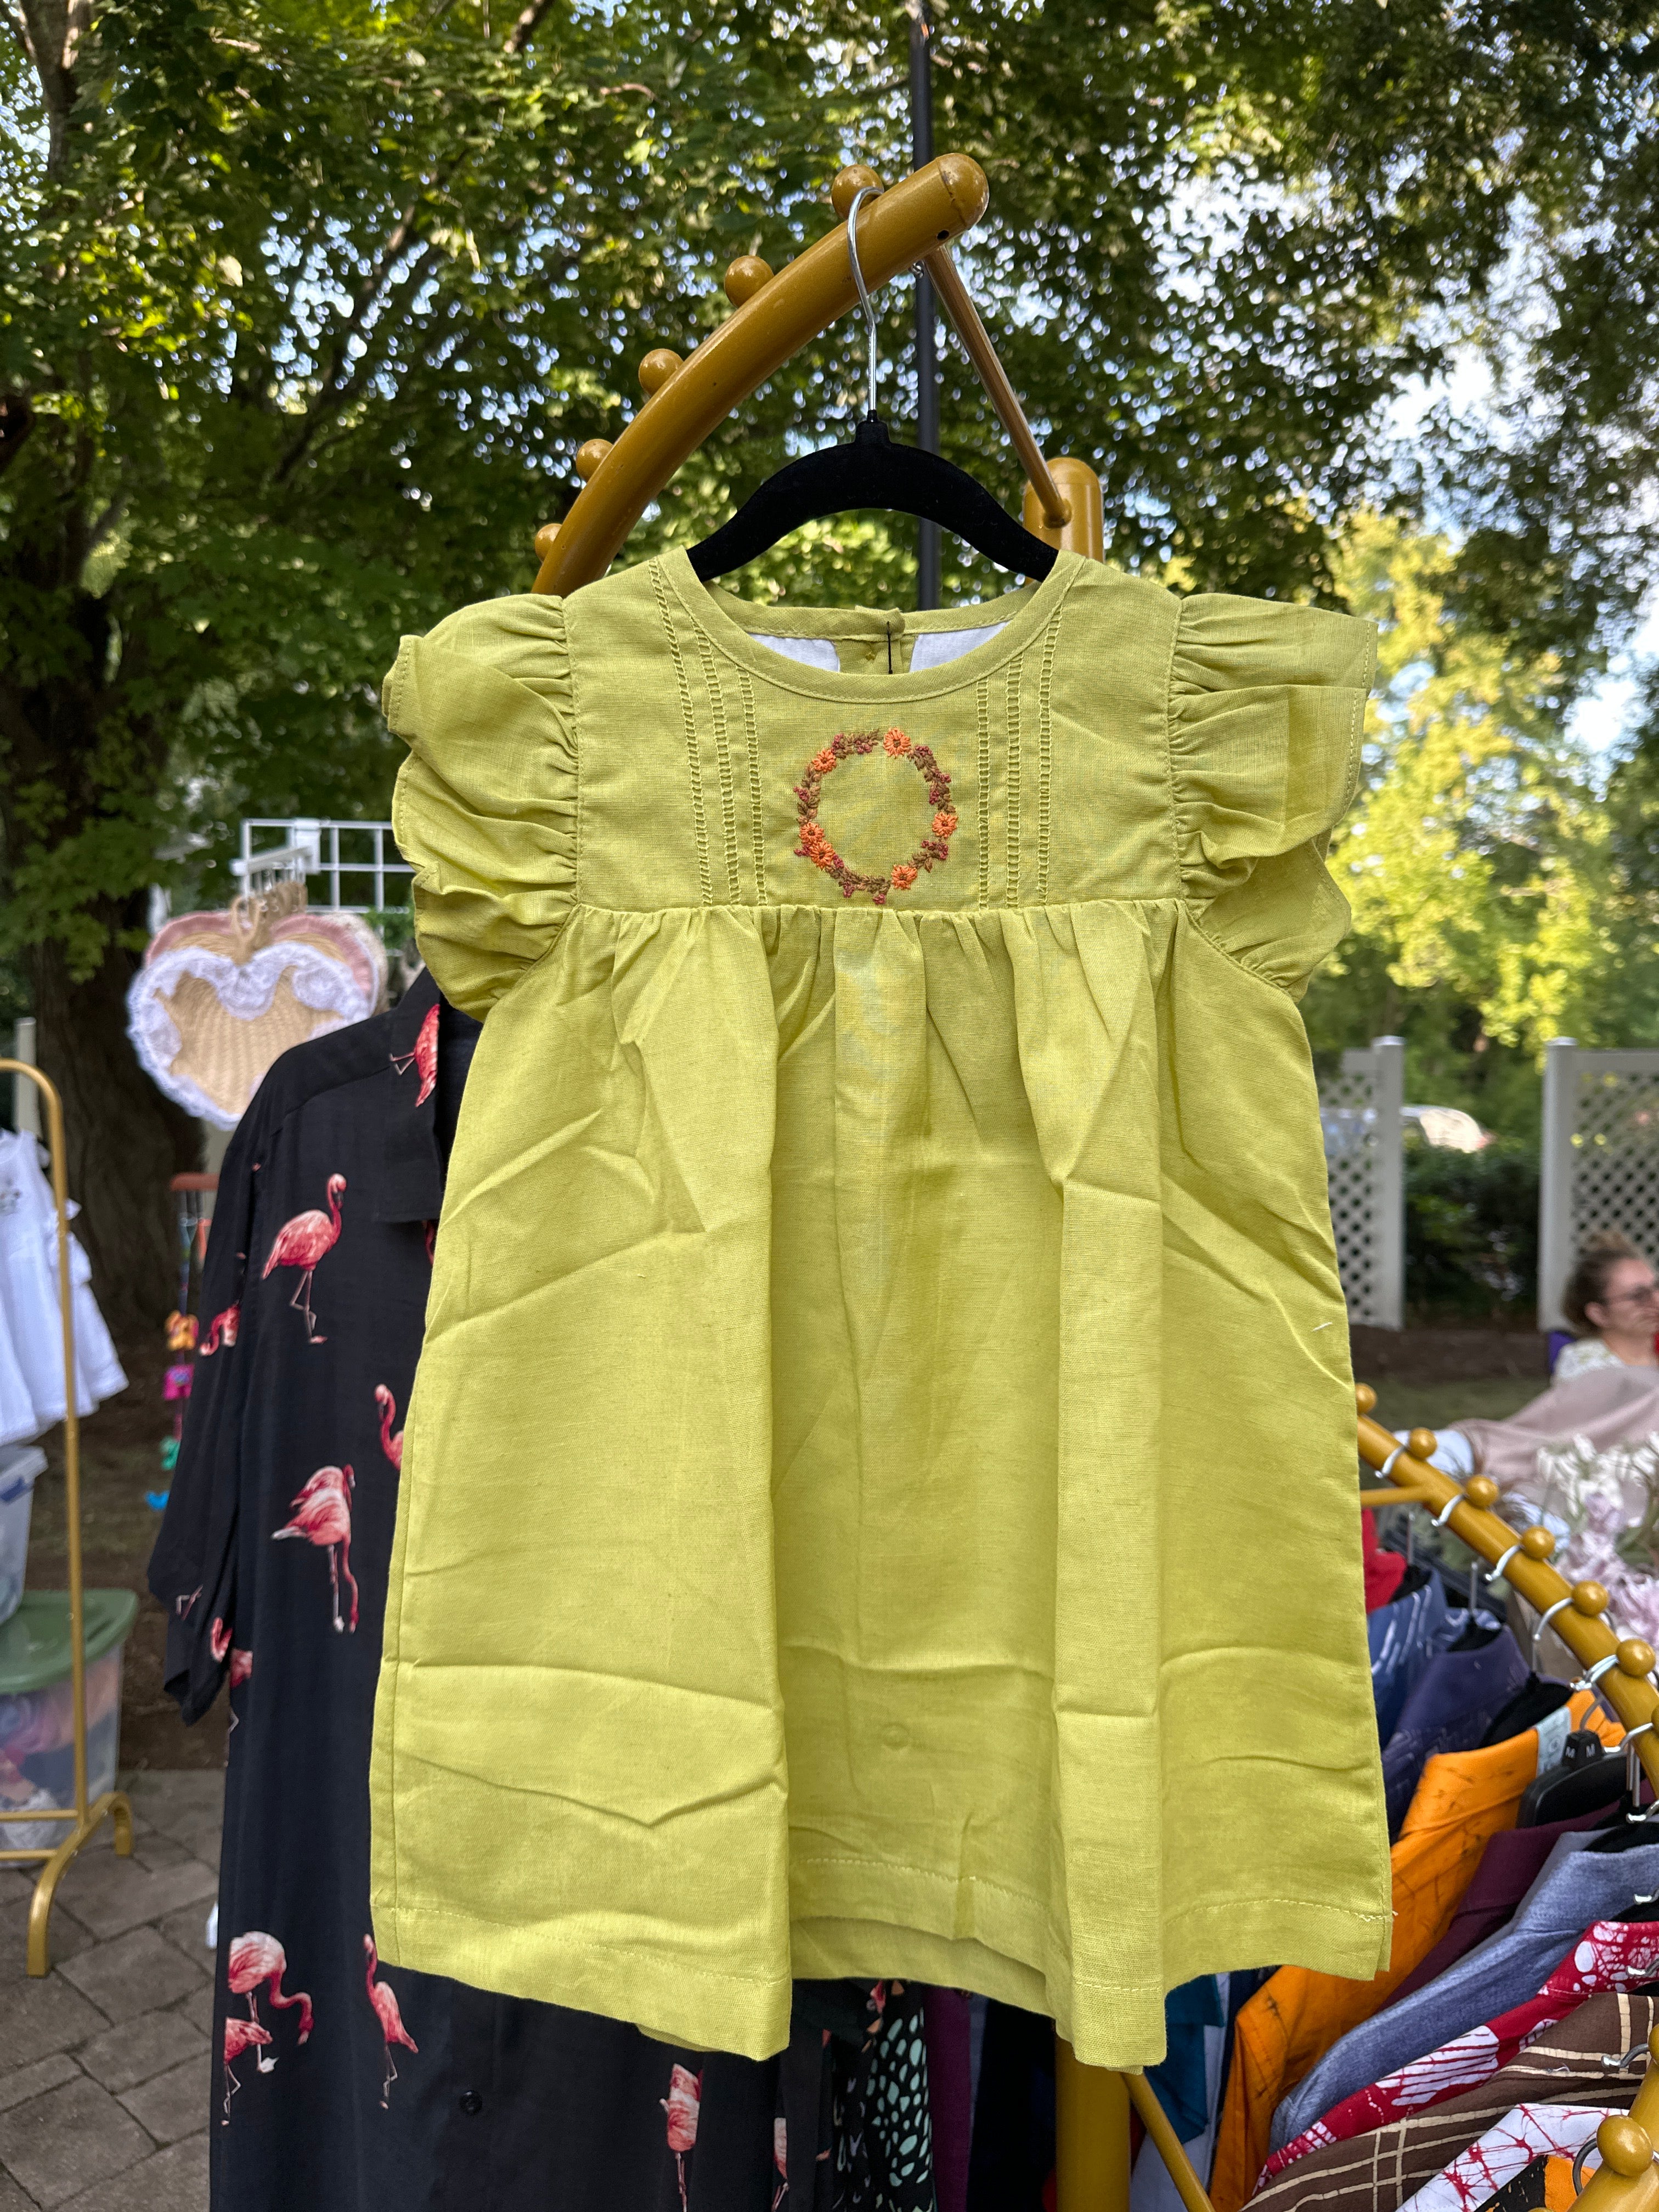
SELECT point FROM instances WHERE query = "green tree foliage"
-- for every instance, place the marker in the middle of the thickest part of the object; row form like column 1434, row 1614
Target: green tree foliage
column 303, row 310
column 1499, row 900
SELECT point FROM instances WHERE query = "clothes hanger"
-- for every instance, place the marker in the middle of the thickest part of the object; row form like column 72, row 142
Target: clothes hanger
column 1587, row 1778
column 1634, row 1824
column 1537, row 1698
column 870, row 470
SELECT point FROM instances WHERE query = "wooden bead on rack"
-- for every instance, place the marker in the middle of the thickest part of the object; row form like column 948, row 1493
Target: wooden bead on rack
column 746, row 277
column 1422, row 1444
column 1538, row 1544
column 850, row 183
column 1365, row 1397
column 1480, row 1492
column 1625, row 2146
column 589, row 456
column 656, row 368
column 1636, row 1658
column 1590, row 1599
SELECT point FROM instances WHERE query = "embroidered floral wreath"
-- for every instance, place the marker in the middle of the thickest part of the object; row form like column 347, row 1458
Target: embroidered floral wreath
column 815, row 845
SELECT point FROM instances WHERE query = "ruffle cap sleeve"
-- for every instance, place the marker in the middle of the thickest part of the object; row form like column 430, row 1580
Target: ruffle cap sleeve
column 1266, row 711
column 485, row 806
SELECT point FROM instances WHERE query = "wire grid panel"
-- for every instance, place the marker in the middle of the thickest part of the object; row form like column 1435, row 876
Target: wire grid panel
column 1615, row 1146
column 1359, row 1114
column 354, row 867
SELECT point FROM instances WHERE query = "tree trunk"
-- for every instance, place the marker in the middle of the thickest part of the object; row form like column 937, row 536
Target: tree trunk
column 125, row 1141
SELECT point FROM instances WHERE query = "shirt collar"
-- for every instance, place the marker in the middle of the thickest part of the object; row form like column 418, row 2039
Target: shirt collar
column 412, row 1188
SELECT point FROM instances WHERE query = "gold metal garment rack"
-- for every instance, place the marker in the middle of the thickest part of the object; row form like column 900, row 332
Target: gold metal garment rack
column 86, row 1818
column 908, row 225
column 1619, row 1668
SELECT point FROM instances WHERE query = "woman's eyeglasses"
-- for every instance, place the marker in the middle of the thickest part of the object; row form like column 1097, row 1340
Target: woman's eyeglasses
column 1647, row 1295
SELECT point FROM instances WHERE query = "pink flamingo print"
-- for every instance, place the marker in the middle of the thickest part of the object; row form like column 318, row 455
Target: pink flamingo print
column 390, row 1445
column 423, row 1059
column 256, row 1959
column 682, row 2104
column 386, row 2011
column 322, row 1514
column 224, row 1330
column 780, row 2160
column 218, row 1639
column 302, row 1244
column 241, row 1666
column 242, row 2035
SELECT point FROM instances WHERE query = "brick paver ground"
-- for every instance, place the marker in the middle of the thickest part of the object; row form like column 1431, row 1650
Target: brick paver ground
column 104, row 2077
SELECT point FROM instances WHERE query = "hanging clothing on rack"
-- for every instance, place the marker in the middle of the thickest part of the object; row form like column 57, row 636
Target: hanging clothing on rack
column 385, row 2088
column 895, row 1138
column 1450, row 1705
column 1597, row 2056
column 1509, row 1865
column 1578, row 1885
column 1611, row 1954
column 1463, row 1799
column 30, row 1323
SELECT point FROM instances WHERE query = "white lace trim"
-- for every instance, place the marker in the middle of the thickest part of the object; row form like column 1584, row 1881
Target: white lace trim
column 245, row 991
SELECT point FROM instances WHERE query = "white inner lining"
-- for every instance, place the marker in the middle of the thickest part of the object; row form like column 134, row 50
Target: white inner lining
column 810, row 652
column 932, row 647
column 935, row 647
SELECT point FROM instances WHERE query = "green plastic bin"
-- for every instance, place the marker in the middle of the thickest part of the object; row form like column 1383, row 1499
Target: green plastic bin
column 37, row 1707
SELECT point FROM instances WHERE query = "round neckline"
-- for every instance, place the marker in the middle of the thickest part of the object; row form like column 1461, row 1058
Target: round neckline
column 1032, row 605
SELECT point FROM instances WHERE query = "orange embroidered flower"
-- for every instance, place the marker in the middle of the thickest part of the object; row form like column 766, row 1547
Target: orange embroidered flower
column 896, row 743
column 944, row 823
column 904, row 875
column 823, row 761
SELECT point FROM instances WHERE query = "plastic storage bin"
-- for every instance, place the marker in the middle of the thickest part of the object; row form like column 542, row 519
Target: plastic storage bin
column 21, row 1467
column 37, row 1706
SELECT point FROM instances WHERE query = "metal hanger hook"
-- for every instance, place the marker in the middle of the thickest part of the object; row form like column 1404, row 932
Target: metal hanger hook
column 866, row 192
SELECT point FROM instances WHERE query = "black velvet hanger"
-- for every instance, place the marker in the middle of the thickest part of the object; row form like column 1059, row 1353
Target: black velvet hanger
column 871, row 471
column 1534, row 1701
column 1588, row 1777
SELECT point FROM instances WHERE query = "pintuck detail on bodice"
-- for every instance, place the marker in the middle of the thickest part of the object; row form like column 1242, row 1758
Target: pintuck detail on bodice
column 877, row 1498
column 636, row 748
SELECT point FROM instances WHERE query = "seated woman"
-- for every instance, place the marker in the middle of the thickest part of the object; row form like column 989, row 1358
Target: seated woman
column 1612, row 1304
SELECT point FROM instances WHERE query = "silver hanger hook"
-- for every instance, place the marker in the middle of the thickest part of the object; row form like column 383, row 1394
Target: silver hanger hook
column 866, row 192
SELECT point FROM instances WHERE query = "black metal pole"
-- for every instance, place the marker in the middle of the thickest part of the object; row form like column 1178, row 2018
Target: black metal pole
column 921, row 152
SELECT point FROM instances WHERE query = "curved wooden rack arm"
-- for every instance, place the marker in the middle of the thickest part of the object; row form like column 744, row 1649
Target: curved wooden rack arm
column 1620, row 1668
column 789, row 309
column 909, row 224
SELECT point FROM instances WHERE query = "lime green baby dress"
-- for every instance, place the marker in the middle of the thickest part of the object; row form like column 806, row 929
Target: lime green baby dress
column 878, row 1497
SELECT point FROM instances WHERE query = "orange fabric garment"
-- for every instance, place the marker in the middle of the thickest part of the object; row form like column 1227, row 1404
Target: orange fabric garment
column 1462, row 1800
column 1559, row 2194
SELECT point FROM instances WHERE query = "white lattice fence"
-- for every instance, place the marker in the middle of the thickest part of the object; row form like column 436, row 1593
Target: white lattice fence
column 354, row 866
column 1600, row 1164
column 1359, row 1109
